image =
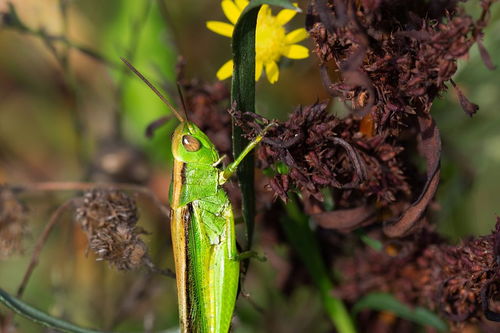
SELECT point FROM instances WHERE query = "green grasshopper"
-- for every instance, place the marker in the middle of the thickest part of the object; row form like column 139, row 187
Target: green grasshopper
column 202, row 225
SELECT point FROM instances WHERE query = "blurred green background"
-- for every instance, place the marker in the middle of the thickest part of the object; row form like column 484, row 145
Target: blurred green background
column 57, row 113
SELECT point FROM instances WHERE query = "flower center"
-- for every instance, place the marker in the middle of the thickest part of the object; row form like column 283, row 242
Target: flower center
column 270, row 38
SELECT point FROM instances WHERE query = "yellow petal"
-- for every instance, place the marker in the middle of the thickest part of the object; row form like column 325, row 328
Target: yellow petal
column 231, row 11
column 296, row 36
column 225, row 71
column 296, row 52
column 258, row 70
column 241, row 4
column 221, row 28
column 264, row 10
column 285, row 15
column 272, row 71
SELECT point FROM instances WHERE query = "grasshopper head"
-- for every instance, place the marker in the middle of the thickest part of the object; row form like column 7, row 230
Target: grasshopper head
column 191, row 145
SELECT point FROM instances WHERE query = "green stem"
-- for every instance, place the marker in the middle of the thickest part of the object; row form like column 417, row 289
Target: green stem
column 296, row 227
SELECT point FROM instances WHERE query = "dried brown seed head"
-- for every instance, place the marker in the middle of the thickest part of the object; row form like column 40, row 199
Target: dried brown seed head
column 109, row 218
column 427, row 272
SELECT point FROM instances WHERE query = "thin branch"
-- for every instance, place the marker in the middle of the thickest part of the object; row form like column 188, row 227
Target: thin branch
column 15, row 23
column 162, row 271
column 63, row 11
column 40, row 244
column 82, row 186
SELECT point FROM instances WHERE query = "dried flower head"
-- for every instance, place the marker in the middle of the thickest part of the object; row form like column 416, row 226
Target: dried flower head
column 13, row 223
column 423, row 270
column 390, row 60
column 399, row 54
column 314, row 150
column 109, row 218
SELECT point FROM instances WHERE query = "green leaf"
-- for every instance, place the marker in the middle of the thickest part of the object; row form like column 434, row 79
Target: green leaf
column 387, row 302
column 300, row 235
column 282, row 168
column 371, row 242
column 243, row 96
column 38, row 316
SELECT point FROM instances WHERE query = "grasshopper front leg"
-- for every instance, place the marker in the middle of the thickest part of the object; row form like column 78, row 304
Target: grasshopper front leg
column 225, row 174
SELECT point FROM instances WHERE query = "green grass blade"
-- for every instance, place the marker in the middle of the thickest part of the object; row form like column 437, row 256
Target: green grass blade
column 387, row 302
column 297, row 230
column 38, row 316
column 243, row 95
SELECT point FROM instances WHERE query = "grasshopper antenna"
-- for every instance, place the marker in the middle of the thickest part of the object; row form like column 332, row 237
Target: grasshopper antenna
column 152, row 87
column 181, row 95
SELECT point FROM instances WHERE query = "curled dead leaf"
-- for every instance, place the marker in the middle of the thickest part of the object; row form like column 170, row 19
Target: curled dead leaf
column 346, row 219
column 431, row 150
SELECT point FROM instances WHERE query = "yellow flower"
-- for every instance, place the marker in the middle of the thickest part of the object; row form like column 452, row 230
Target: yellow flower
column 271, row 41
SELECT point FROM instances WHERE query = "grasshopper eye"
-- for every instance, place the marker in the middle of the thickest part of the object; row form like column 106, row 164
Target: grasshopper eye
column 191, row 143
